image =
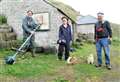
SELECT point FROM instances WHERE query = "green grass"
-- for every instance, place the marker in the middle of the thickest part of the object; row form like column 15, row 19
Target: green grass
column 32, row 67
column 83, row 71
column 85, row 50
column 3, row 20
column 46, row 66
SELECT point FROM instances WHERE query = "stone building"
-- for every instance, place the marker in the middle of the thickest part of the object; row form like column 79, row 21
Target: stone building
column 50, row 10
column 85, row 25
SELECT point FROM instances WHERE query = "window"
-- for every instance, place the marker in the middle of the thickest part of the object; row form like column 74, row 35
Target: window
column 43, row 19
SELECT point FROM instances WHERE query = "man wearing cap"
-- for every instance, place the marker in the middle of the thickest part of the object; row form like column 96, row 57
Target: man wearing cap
column 103, row 37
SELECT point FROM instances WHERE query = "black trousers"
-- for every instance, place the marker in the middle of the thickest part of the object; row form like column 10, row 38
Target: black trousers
column 30, row 45
column 61, row 49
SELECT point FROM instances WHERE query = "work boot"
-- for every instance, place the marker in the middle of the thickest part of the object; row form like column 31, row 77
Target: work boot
column 109, row 67
column 98, row 65
column 33, row 52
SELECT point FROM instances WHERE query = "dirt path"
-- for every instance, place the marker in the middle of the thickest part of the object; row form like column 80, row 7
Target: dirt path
column 114, row 74
column 68, row 73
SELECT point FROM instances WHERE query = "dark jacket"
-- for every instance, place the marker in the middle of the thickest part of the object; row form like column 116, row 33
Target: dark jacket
column 65, row 33
column 107, row 29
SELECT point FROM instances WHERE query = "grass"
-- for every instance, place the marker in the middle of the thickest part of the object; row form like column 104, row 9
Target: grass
column 3, row 19
column 32, row 67
column 47, row 67
column 84, row 71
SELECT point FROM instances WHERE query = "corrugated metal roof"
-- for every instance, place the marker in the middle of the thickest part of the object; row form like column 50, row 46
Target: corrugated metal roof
column 87, row 20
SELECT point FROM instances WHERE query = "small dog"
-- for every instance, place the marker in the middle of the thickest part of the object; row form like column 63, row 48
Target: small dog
column 90, row 59
column 72, row 60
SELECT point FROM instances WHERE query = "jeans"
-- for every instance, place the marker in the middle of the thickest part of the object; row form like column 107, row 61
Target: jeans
column 103, row 43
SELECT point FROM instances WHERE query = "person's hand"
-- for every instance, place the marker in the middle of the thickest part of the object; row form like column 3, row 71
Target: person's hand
column 110, row 38
column 64, row 41
column 71, row 42
column 59, row 41
column 32, row 32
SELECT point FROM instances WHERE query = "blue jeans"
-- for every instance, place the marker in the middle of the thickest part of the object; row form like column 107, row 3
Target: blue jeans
column 103, row 43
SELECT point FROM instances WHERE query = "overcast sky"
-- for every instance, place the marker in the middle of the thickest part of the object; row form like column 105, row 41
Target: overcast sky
column 111, row 8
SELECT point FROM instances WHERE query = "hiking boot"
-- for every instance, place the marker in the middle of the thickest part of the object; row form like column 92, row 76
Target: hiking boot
column 33, row 52
column 109, row 67
column 98, row 65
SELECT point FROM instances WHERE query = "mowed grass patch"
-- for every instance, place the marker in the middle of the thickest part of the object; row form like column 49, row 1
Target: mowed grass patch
column 48, row 68
column 32, row 67
column 84, row 71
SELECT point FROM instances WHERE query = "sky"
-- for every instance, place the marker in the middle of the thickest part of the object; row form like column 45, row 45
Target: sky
column 110, row 8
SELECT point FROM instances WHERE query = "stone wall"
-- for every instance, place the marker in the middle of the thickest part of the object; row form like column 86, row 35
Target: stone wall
column 7, row 37
column 86, row 30
column 15, row 11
